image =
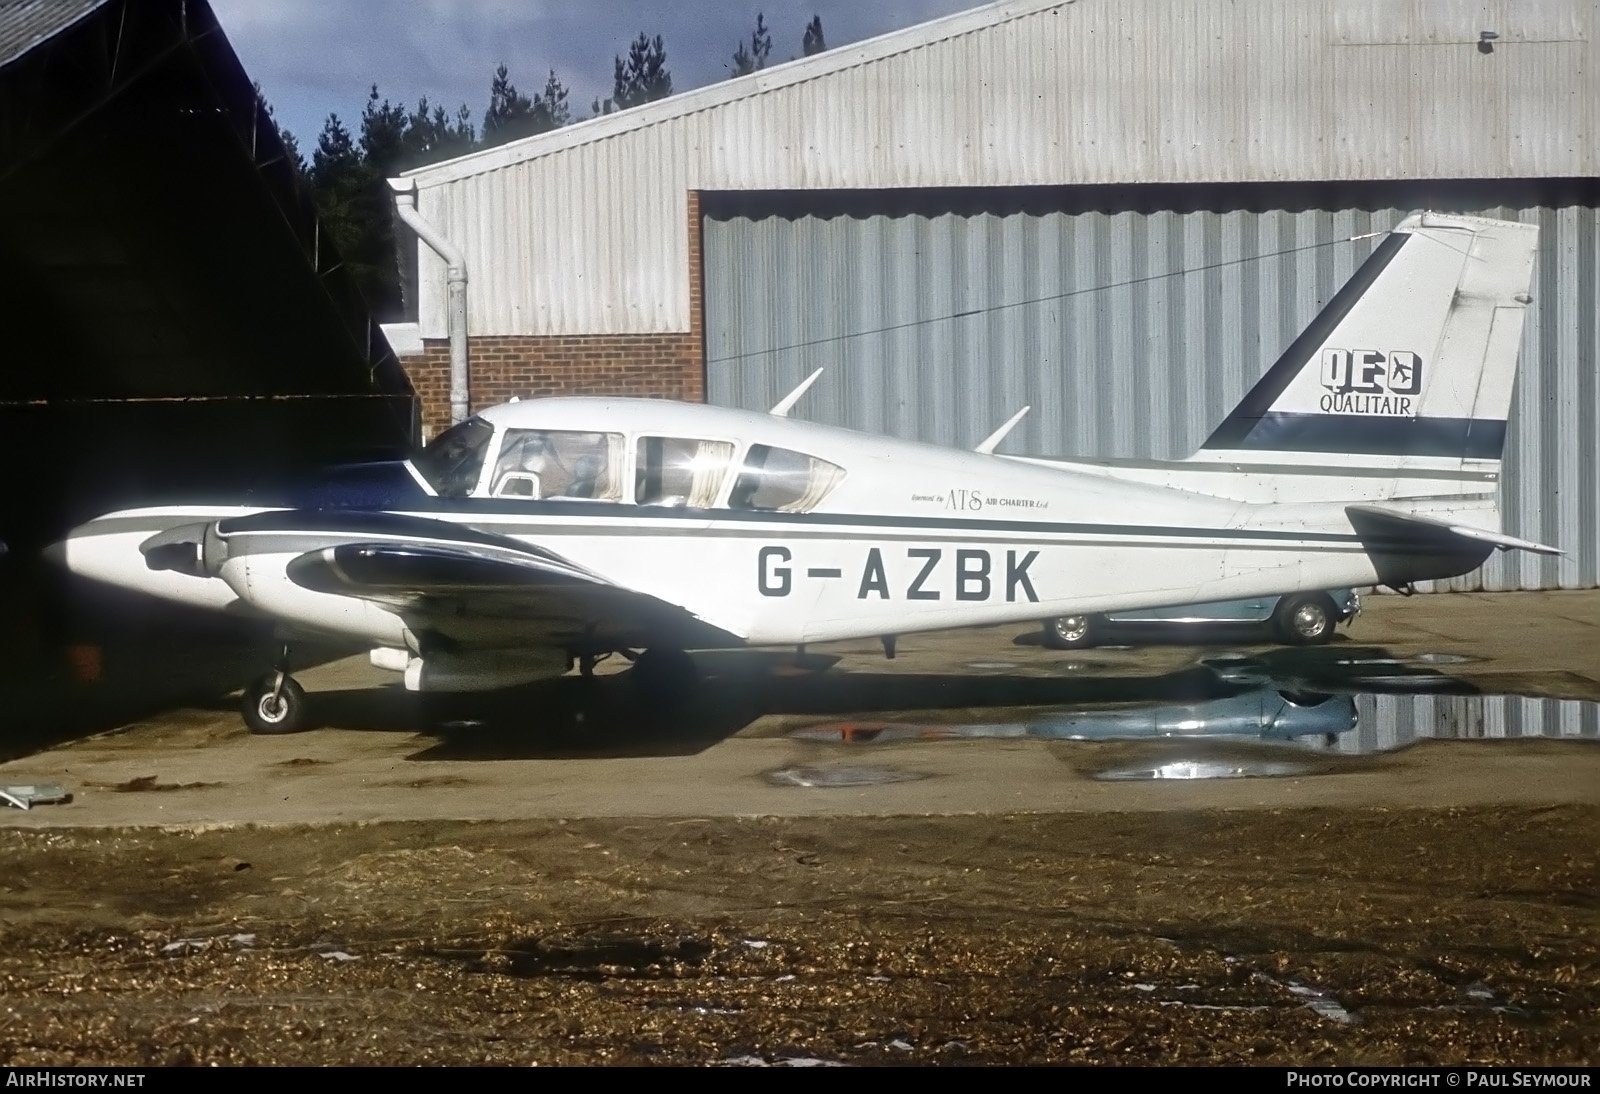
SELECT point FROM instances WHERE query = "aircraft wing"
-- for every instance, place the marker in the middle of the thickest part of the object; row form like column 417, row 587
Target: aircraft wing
column 467, row 588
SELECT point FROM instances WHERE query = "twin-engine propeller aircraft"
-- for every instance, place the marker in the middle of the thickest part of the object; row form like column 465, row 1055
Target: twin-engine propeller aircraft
column 550, row 532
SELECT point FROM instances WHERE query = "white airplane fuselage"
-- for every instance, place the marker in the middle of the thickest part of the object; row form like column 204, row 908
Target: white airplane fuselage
column 1369, row 453
column 912, row 538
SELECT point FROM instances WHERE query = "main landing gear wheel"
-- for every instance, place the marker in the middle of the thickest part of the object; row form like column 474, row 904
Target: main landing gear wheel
column 1072, row 632
column 1306, row 620
column 274, row 704
column 665, row 676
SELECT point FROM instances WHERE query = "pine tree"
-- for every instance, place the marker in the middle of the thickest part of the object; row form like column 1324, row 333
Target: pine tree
column 383, row 129
column 430, row 136
column 339, row 178
column 644, row 78
column 550, row 107
column 510, row 113
column 291, row 146
column 814, row 43
column 746, row 61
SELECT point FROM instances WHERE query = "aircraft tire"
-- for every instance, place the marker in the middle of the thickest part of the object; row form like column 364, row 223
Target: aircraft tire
column 1072, row 632
column 264, row 715
column 1307, row 619
column 665, row 676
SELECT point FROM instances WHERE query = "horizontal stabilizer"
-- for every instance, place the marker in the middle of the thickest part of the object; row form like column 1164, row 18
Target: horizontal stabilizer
column 1482, row 535
column 1405, row 549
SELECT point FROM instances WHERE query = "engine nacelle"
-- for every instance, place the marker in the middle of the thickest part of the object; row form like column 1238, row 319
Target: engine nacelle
column 482, row 670
column 260, row 579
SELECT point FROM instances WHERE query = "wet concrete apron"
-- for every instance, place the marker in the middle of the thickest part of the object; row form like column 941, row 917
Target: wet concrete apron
column 1377, row 853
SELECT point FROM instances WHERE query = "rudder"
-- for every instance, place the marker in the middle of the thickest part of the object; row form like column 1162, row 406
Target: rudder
column 1415, row 357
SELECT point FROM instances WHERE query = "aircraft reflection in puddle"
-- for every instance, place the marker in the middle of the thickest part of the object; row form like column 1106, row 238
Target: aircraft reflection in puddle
column 1261, row 713
column 1310, row 703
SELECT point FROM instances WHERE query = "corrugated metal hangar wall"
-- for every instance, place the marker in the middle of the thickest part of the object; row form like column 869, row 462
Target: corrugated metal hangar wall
column 1130, row 318
column 1119, row 211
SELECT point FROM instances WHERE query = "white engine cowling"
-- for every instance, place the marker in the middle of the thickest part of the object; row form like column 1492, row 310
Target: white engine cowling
column 482, row 670
column 260, row 580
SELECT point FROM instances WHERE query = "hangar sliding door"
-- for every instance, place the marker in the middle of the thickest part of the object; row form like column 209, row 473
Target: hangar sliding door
column 1130, row 319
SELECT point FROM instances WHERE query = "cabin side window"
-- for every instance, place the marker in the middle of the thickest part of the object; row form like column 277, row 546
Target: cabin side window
column 453, row 461
column 680, row 471
column 559, row 464
column 783, row 481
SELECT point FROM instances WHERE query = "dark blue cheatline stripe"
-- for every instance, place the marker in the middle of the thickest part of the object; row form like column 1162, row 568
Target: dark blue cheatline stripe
column 864, row 520
column 453, row 515
column 447, row 526
column 1255, row 405
column 1376, row 435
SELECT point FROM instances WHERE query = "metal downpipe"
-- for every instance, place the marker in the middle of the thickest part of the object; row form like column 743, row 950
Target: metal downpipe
column 405, row 204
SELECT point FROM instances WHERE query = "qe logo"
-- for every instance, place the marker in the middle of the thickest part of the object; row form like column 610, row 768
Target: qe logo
column 1371, row 371
column 1370, row 381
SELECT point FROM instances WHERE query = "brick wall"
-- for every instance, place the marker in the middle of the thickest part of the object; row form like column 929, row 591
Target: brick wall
column 666, row 366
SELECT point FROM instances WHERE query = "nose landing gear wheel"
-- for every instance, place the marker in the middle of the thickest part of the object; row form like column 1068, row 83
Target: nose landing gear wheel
column 273, row 707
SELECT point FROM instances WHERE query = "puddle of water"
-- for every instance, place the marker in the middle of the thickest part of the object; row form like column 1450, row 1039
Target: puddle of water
column 883, row 732
column 835, row 777
column 1206, row 769
column 1321, row 1003
column 1256, row 714
column 983, row 665
column 781, row 1061
column 1308, row 703
column 1361, row 724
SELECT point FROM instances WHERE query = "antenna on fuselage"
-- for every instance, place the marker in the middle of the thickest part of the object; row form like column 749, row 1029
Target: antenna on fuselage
column 986, row 446
column 786, row 403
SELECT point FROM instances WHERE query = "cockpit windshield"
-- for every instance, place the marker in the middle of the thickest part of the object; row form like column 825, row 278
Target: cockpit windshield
column 453, row 460
column 559, row 463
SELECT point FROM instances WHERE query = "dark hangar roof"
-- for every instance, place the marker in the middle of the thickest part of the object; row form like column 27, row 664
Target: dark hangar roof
column 172, row 297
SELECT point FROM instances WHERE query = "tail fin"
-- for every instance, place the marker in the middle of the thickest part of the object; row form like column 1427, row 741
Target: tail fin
column 1414, row 357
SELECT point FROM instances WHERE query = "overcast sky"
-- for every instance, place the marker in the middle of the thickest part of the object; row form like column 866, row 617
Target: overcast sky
column 316, row 57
